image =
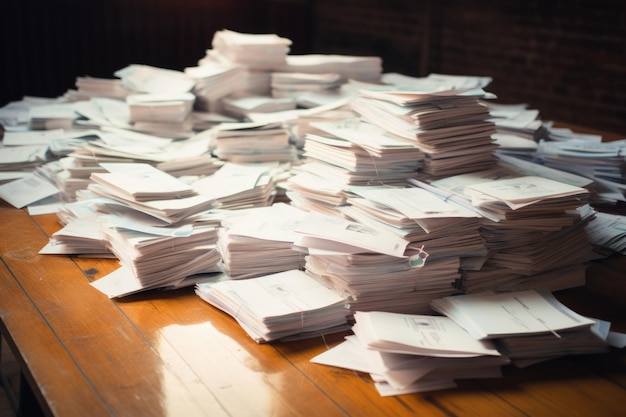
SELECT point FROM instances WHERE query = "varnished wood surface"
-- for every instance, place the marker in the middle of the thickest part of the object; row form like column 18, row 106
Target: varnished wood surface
column 172, row 354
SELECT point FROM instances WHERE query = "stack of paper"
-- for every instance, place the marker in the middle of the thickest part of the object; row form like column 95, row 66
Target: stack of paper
column 362, row 68
column 373, row 267
column 531, row 349
column 530, row 324
column 23, row 157
column 141, row 182
column 319, row 231
column 413, row 353
column 603, row 162
column 311, row 192
column 608, row 233
column 293, row 84
column 252, row 142
column 88, row 87
column 437, row 82
column 17, row 113
column 213, row 81
column 444, row 228
column 68, row 178
column 148, row 190
column 450, row 126
column 538, row 226
column 78, row 237
column 259, row 241
column 425, row 335
column 493, row 315
column 53, row 116
column 516, row 126
column 154, row 80
column 476, row 336
column 239, row 186
column 255, row 51
column 566, row 134
column 277, row 306
column 162, row 114
column 354, row 153
column 380, row 282
column 302, row 124
column 165, row 260
column 240, row 106
column 190, row 156
column 525, row 196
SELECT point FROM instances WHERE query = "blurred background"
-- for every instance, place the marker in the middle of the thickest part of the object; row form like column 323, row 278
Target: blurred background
column 566, row 58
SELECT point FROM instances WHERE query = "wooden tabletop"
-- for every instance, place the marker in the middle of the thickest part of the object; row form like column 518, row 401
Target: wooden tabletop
column 172, row 354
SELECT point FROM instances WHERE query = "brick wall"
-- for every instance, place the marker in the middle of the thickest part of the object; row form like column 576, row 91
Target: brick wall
column 46, row 44
column 566, row 58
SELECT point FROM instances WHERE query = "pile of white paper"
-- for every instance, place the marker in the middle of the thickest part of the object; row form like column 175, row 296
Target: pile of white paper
column 293, row 84
column 475, row 337
column 443, row 227
column 449, row 125
column 252, row 142
column 240, row 106
column 311, row 192
column 527, row 237
column 78, row 237
column 154, row 80
column 213, row 81
column 375, row 281
column 608, row 232
column 159, row 260
column 440, row 234
column 162, row 114
column 604, row 162
column 518, row 128
column 529, row 326
column 259, row 241
column 53, row 116
column 375, row 268
column 151, row 191
column 361, row 68
column 88, row 87
column 239, row 186
column 492, row 315
column 356, row 153
column 255, row 51
column 278, row 306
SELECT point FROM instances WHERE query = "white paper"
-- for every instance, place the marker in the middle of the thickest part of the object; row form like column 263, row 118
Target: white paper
column 27, row 190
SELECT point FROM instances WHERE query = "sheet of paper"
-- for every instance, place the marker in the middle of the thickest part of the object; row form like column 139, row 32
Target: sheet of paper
column 27, row 190
column 418, row 334
column 489, row 315
column 336, row 229
column 414, row 203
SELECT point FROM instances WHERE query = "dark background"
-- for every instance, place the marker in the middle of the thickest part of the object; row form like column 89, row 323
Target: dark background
column 566, row 58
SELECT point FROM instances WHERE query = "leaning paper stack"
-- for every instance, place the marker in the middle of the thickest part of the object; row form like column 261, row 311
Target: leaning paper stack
column 278, row 306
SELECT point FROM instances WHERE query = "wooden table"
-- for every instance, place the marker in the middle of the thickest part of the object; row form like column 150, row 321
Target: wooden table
column 172, row 354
